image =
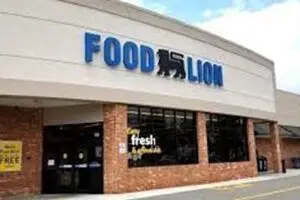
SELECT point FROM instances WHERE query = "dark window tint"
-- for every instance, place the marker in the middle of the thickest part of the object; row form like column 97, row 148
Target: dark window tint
column 159, row 136
column 227, row 138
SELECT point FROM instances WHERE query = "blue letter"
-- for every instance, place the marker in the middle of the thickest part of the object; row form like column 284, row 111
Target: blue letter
column 130, row 57
column 199, row 66
column 218, row 75
column 112, row 44
column 191, row 76
column 207, row 73
column 147, row 59
column 91, row 46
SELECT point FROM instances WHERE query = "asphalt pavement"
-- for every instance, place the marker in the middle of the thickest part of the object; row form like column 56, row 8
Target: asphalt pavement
column 264, row 187
column 279, row 189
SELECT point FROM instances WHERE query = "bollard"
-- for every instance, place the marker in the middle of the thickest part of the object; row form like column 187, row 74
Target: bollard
column 283, row 166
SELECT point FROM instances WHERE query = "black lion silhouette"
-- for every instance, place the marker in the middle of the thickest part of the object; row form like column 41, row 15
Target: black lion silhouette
column 171, row 61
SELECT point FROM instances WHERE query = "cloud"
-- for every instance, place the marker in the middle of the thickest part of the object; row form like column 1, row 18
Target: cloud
column 153, row 6
column 272, row 31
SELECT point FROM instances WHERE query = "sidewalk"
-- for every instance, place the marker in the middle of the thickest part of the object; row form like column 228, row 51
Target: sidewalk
column 165, row 191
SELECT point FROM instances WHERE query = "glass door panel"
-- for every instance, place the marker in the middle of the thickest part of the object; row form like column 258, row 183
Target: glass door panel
column 72, row 159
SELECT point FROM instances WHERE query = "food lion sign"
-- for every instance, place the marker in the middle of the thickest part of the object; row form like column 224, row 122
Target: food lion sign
column 169, row 64
column 10, row 156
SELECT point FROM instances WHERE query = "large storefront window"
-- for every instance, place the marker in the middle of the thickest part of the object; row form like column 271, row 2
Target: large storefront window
column 227, row 138
column 161, row 137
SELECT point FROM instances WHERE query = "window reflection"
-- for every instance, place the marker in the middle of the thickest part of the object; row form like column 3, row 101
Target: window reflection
column 173, row 132
column 227, row 138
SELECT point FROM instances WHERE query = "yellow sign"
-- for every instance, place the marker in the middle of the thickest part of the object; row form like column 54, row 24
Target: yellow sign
column 10, row 156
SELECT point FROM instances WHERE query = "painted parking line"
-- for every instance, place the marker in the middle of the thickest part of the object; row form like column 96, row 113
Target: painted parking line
column 231, row 187
column 268, row 193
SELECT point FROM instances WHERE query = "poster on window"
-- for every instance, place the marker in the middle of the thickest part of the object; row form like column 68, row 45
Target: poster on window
column 157, row 137
column 10, row 156
column 141, row 145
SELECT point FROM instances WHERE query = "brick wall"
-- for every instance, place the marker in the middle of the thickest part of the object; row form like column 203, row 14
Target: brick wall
column 290, row 148
column 119, row 178
column 264, row 148
column 139, row 179
column 26, row 125
column 115, row 164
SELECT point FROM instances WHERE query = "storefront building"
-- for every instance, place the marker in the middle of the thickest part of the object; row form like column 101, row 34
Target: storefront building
column 104, row 97
column 287, row 109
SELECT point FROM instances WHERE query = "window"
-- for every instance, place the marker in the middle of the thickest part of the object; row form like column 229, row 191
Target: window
column 159, row 136
column 227, row 138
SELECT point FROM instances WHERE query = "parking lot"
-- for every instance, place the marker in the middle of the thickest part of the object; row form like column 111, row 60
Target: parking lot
column 263, row 187
column 287, row 189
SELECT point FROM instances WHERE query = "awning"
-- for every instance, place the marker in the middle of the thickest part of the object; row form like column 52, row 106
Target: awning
column 262, row 130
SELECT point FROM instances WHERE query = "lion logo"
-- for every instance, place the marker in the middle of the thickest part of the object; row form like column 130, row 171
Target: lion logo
column 171, row 61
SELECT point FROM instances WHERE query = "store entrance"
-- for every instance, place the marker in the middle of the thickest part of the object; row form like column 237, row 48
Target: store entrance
column 72, row 159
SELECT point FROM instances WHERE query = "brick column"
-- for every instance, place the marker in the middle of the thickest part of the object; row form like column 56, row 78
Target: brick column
column 25, row 125
column 275, row 144
column 39, row 150
column 251, row 142
column 115, row 163
column 202, row 138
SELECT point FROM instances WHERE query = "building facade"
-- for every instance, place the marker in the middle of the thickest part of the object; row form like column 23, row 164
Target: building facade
column 287, row 109
column 104, row 97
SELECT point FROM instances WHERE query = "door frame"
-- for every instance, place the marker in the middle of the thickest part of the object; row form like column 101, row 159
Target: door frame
column 43, row 161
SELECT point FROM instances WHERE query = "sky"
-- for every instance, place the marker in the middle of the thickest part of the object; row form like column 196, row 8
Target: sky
column 269, row 27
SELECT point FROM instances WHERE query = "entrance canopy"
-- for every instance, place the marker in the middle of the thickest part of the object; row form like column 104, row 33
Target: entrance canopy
column 33, row 102
column 262, row 130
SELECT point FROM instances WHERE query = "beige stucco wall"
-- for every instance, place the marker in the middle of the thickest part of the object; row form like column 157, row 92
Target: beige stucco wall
column 42, row 50
column 73, row 114
column 288, row 108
